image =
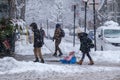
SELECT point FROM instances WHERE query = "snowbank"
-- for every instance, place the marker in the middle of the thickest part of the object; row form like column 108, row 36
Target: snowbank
column 12, row 66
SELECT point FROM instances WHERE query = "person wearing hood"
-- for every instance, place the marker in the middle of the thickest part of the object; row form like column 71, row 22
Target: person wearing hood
column 57, row 37
column 85, row 47
column 37, row 43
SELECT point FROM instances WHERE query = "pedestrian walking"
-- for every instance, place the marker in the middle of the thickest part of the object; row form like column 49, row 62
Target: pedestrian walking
column 58, row 37
column 85, row 45
column 38, row 43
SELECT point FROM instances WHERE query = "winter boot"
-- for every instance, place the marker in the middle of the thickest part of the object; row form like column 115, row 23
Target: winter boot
column 36, row 60
column 55, row 54
column 60, row 54
column 91, row 62
column 42, row 61
column 80, row 62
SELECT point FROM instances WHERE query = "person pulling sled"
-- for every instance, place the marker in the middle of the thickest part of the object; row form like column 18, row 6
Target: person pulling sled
column 86, row 44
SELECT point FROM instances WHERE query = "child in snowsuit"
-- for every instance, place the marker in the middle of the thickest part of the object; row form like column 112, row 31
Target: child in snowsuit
column 85, row 47
column 37, row 43
column 57, row 37
column 71, row 59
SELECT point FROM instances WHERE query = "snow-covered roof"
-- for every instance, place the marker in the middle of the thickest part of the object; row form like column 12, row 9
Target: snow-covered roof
column 110, row 25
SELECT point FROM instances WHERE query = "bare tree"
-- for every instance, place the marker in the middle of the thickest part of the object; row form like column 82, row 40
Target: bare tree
column 23, row 10
column 12, row 8
column 16, row 8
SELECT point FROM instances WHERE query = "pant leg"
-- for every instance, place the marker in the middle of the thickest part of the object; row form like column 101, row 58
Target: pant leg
column 39, row 53
column 35, row 52
column 83, row 56
column 56, row 47
column 88, row 55
column 59, row 50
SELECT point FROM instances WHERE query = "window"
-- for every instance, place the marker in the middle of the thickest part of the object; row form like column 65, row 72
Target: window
column 112, row 33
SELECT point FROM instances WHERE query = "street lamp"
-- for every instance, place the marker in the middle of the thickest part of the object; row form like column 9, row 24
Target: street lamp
column 85, row 13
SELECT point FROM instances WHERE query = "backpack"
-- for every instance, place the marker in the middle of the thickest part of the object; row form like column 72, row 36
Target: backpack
column 91, row 45
column 39, row 37
column 62, row 33
column 42, row 34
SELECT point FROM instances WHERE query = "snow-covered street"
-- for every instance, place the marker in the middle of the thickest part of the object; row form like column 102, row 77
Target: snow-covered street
column 22, row 67
column 28, row 70
column 35, row 75
column 25, row 69
column 86, row 33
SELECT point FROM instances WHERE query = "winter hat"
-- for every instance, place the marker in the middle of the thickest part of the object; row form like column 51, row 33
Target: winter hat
column 33, row 25
column 78, row 30
column 82, row 34
column 57, row 25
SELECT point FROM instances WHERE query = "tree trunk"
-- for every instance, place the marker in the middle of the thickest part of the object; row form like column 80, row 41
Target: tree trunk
column 12, row 8
column 23, row 10
column 13, row 13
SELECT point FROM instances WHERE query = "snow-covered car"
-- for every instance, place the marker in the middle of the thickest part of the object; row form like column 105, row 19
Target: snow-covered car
column 108, row 38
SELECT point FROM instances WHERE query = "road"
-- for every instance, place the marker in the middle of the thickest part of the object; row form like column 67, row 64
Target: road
column 49, row 59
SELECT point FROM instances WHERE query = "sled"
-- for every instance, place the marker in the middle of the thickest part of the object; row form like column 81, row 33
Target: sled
column 72, row 61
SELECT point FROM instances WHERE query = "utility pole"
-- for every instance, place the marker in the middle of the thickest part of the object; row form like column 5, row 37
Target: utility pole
column 86, row 1
column 74, row 24
column 47, row 27
column 94, row 23
column 85, row 15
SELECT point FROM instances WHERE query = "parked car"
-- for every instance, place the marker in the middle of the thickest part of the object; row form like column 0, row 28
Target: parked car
column 108, row 38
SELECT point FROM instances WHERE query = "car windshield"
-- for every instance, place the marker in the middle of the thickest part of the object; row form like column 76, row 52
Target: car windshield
column 112, row 33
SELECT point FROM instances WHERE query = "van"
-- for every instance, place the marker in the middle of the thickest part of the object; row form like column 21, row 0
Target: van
column 108, row 38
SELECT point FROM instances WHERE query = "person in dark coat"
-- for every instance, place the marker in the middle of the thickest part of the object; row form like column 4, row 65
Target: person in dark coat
column 37, row 43
column 85, row 47
column 57, row 37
